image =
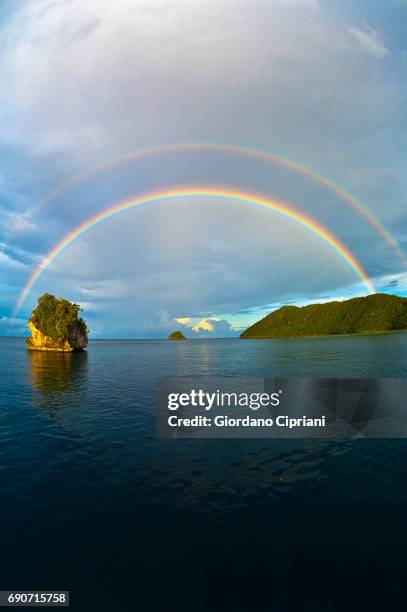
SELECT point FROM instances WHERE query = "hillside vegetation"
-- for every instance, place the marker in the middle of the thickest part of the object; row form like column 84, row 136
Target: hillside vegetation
column 176, row 335
column 58, row 319
column 375, row 313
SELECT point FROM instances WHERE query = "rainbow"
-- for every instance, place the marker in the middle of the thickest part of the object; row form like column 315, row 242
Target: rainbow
column 236, row 196
column 244, row 151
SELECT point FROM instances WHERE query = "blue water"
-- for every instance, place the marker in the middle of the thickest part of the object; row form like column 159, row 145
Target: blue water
column 93, row 503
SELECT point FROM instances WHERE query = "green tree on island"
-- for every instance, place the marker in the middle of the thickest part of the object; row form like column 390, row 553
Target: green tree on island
column 380, row 312
column 176, row 335
column 58, row 319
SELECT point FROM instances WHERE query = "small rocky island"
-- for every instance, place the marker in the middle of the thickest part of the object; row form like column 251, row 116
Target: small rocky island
column 376, row 313
column 55, row 325
column 176, row 335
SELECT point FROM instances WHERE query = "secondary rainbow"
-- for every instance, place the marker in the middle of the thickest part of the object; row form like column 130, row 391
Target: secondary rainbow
column 168, row 195
column 245, row 151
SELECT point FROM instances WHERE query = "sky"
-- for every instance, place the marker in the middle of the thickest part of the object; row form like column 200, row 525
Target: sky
column 322, row 83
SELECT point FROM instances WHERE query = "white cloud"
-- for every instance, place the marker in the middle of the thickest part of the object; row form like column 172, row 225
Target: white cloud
column 207, row 327
column 20, row 223
column 392, row 282
column 205, row 324
column 369, row 40
column 184, row 320
column 10, row 261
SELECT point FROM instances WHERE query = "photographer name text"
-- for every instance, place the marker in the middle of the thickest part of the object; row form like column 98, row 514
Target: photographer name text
column 254, row 401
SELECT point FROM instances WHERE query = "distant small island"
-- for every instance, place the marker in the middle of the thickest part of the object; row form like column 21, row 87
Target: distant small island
column 176, row 335
column 376, row 313
column 55, row 325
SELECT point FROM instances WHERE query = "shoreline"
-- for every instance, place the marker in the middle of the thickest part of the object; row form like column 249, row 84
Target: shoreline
column 367, row 333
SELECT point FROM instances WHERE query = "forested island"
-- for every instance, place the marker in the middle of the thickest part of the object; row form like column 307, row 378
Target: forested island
column 376, row 313
column 55, row 325
column 176, row 335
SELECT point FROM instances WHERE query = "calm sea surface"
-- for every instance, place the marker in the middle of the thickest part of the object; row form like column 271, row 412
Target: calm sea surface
column 93, row 503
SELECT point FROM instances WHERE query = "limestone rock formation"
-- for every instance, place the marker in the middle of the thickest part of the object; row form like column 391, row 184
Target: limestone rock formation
column 55, row 326
column 41, row 342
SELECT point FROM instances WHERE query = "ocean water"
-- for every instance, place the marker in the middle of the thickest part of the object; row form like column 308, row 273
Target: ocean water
column 93, row 503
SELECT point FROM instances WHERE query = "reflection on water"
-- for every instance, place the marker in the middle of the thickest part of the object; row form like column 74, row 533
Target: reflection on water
column 55, row 374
